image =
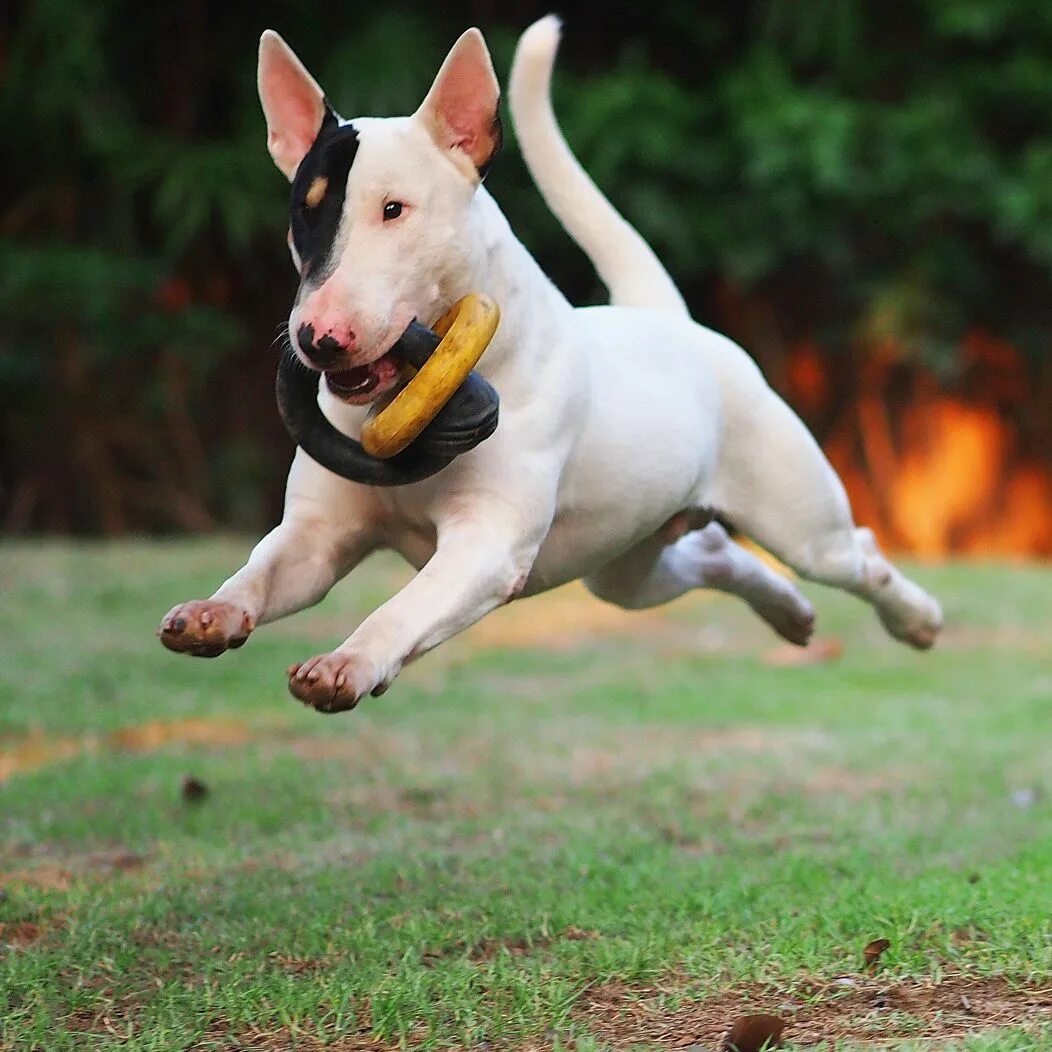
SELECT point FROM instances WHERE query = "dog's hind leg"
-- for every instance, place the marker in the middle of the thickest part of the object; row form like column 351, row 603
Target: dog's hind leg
column 656, row 571
column 788, row 499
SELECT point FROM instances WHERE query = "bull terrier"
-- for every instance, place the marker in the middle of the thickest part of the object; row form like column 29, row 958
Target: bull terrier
column 629, row 434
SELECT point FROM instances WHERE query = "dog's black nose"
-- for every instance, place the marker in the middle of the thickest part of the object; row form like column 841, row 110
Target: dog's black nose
column 325, row 353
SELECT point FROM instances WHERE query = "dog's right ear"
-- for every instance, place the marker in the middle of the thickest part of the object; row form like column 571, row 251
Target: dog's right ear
column 293, row 103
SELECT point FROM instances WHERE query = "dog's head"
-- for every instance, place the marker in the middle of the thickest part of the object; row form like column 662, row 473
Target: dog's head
column 379, row 210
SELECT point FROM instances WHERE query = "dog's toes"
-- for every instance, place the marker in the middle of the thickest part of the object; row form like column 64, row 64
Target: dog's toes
column 329, row 683
column 205, row 628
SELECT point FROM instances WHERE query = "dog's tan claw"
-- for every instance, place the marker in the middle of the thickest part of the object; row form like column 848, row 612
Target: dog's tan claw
column 205, row 628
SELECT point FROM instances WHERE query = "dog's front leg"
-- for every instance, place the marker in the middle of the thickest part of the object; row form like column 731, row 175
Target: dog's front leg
column 324, row 534
column 481, row 562
column 293, row 567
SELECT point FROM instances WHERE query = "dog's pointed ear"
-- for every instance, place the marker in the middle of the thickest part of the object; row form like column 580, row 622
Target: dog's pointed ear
column 293, row 103
column 461, row 110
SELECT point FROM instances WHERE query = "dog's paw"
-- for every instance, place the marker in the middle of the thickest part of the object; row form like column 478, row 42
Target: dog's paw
column 919, row 625
column 788, row 613
column 334, row 682
column 205, row 628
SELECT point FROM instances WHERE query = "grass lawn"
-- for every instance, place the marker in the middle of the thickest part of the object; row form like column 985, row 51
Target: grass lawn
column 572, row 827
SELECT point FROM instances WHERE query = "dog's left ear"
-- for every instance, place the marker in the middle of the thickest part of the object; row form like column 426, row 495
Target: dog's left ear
column 461, row 110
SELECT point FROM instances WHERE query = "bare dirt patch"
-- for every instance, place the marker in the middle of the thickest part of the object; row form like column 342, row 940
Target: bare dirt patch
column 31, row 927
column 40, row 750
column 45, row 877
column 859, row 1009
column 37, row 750
column 148, row 737
column 20, row 933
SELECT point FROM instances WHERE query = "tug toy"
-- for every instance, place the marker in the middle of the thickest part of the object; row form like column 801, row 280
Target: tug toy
column 444, row 410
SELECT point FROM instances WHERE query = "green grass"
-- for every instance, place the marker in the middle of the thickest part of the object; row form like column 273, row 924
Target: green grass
column 523, row 820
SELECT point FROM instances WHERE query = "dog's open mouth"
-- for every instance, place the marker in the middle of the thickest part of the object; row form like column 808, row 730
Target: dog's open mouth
column 363, row 383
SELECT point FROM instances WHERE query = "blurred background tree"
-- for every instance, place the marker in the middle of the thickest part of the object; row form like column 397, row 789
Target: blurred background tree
column 874, row 178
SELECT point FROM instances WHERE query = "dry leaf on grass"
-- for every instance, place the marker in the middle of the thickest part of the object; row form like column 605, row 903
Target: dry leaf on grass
column 754, row 1033
column 193, row 789
column 579, row 934
column 874, row 951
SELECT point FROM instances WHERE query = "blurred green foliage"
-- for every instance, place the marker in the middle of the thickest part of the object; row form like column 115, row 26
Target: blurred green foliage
column 855, row 168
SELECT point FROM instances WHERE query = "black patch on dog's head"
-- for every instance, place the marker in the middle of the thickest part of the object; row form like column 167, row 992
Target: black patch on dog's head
column 315, row 213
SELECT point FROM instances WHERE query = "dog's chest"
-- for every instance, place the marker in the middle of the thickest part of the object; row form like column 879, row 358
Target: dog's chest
column 407, row 517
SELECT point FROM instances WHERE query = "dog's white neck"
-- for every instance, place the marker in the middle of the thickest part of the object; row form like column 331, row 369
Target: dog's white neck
column 531, row 306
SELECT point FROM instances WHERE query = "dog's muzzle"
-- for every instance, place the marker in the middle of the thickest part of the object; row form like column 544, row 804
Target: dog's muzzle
column 444, row 410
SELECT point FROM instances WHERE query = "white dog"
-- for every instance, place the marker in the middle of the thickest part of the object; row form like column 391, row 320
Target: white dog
column 624, row 432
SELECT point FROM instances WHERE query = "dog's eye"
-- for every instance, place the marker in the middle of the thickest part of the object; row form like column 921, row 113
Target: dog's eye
column 392, row 210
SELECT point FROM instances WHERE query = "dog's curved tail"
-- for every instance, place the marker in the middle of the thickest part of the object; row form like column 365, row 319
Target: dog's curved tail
column 624, row 261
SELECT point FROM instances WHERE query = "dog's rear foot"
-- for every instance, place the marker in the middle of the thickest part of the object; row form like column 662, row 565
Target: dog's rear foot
column 906, row 610
column 723, row 564
column 786, row 610
column 205, row 628
column 918, row 624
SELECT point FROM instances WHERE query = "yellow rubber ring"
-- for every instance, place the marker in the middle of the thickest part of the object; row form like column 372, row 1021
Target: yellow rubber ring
column 466, row 330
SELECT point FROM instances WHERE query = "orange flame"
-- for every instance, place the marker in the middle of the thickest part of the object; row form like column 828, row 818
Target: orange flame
column 933, row 473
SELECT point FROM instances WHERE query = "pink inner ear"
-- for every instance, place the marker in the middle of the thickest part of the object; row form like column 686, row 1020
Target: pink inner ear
column 464, row 101
column 294, row 109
